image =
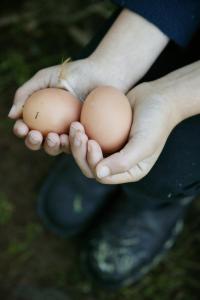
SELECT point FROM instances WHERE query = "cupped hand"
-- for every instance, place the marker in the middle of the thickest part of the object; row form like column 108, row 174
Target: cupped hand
column 100, row 68
column 70, row 76
column 154, row 117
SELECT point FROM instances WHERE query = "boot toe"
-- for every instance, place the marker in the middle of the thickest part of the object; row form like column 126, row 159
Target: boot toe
column 110, row 264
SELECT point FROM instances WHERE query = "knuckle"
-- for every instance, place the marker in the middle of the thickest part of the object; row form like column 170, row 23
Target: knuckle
column 139, row 171
column 142, row 167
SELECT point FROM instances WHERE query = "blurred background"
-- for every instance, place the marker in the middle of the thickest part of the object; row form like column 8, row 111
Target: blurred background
column 35, row 264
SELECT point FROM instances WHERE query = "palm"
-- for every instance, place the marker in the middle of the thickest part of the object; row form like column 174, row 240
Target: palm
column 153, row 121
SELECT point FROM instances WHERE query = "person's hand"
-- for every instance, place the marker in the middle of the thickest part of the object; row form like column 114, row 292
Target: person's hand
column 129, row 35
column 154, row 117
column 71, row 76
column 158, row 107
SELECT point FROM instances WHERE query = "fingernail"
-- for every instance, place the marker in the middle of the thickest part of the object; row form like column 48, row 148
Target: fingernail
column 12, row 111
column 50, row 142
column 33, row 140
column 72, row 131
column 103, row 172
column 22, row 130
column 77, row 141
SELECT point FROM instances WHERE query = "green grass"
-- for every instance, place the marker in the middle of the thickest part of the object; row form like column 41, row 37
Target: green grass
column 6, row 210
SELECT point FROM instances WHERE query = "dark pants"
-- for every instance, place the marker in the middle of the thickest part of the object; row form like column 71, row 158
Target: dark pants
column 176, row 174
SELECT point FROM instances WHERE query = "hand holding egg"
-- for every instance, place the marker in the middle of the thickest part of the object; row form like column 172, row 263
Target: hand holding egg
column 152, row 123
column 80, row 74
column 53, row 143
column 106, row 115
column 137, row 157
column 51, row 110
column 75, row 74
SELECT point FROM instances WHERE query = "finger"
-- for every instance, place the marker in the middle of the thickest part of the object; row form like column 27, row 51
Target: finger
column 34, row 140
column 121, row 161
column 20, row 129
column 78, row 144
column 42, row 79
column 145, row 138
column 64, row 143
column 120, row 178
column 134, row 174
column 94, row 154
column 77, row 136
column 149, row 133
column 74, row 127
column 52, row 144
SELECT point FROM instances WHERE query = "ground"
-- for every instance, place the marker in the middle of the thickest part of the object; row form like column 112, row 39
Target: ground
column 35, row 264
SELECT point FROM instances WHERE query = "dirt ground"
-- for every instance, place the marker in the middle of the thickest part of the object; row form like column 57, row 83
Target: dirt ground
column 35, row 264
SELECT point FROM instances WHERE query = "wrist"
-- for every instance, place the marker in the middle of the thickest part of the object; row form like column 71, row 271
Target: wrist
column 181, row 88
column 79, row 77
column 126, row 53
column 158, row 90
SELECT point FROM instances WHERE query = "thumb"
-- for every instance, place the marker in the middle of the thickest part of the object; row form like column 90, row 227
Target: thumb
column 146, row 139
column 44, row 78
column 137, row 150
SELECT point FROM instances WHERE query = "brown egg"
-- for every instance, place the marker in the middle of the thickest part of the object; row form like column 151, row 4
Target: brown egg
column 51, row 110
column 107, row 116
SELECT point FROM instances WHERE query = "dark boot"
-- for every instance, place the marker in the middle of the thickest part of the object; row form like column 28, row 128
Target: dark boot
column 68, row 201
column 130, row 241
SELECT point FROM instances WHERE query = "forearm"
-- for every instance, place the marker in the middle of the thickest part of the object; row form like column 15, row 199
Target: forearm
column 182, row 88
column 128, row 50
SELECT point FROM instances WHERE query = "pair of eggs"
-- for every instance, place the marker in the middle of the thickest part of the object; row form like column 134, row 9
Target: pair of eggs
column 105, row 114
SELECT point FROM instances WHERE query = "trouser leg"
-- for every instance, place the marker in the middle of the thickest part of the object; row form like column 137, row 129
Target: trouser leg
column 176, row 174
